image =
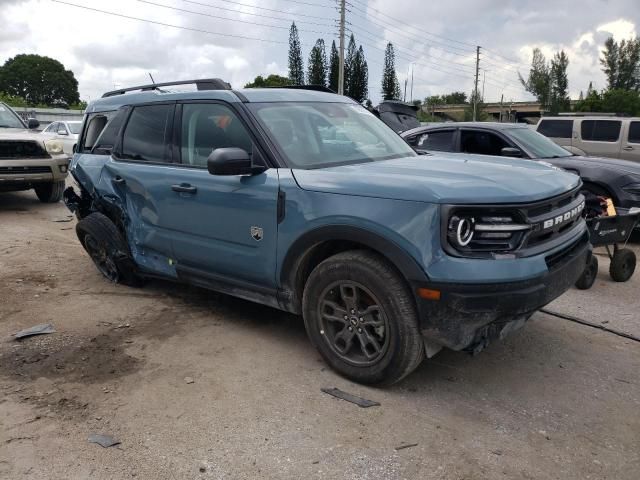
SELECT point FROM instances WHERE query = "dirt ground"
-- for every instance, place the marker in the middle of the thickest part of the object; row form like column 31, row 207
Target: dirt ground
column 197, row 385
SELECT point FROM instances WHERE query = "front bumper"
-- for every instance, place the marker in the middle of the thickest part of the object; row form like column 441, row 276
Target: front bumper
column 470, row 316
column 16, row 172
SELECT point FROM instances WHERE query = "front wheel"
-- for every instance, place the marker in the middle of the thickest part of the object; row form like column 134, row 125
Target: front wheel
column 361, row 317
column 50, row 192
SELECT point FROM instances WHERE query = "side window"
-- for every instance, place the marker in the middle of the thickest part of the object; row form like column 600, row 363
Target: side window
column 52, row 128
column 147, row 132
column 62, row 129
column 208, row 126
column 634, row 132
column 441, row 141
column 109, row 135
column 95, row 124
column 481, row 143
column 556, row 128
column 600, row 130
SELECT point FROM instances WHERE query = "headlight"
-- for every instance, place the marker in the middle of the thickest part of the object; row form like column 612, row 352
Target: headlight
column 632, row 188
column 481, row 233
column 54, row 147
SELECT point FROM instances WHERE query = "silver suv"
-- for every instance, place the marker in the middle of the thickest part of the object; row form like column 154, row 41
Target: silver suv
column 602, row 136
column 29, row 159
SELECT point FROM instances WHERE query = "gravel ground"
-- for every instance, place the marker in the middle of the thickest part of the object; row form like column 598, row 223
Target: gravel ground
column 198, row 385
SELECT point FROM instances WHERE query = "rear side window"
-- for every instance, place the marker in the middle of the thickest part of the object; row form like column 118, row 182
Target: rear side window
column 147, row 132
column 107, row 139
column 437, row 141
column 556, row 128
column 600, row 130
column 634, row 132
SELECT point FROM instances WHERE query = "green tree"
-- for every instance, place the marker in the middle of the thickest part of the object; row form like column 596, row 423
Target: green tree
column 270, row 81
column 538, row 83
column 317, row 68
column 39, row 81
column 390, row 85
column 334, row 67
column 296, row 67
column 349, row 65
column 560, row 101
column 621, row 64
column 625, row 102
column 481, row 114
column 358, row 86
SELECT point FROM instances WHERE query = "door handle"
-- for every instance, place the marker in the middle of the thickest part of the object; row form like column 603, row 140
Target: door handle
column 628, row 147
column 118, row 180
column 184, row 188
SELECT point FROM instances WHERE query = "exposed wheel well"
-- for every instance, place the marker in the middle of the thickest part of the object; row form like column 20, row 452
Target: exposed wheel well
column 598, row 189
column 315, row 255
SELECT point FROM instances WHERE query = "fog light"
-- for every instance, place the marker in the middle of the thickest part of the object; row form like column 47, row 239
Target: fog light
column 63, row 168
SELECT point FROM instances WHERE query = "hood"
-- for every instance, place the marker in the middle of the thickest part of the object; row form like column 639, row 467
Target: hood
column 443, row 178
column 20, row 134
column 623, row 166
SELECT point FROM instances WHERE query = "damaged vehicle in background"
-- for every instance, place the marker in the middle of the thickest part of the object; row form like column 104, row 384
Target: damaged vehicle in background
column 28, row 160
column 305, row 201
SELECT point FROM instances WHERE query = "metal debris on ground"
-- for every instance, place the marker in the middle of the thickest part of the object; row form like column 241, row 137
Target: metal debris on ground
column 104, row 441
column 189, row 380
column 62, row 220
column 43, row 329
column 409, row 445
column 361, row 402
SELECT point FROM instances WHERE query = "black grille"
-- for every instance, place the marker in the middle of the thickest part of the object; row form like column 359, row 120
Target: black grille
column 557, row 258
column 21, row 149
column 23, row 170
column 537, row 214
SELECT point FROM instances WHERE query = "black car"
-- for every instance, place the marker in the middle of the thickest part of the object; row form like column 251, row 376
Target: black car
column 617, row 179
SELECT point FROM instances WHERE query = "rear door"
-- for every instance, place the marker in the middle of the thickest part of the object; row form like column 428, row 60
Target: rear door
column 224, row 227
column 631, row 141
column 600, row 138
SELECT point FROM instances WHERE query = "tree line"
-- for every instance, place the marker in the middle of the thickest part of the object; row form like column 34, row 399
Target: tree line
column 323, row 70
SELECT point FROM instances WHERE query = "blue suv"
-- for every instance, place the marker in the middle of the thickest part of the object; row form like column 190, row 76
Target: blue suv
column 303, row 200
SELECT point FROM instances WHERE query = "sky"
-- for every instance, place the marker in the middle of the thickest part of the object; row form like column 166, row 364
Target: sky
column 239, row 39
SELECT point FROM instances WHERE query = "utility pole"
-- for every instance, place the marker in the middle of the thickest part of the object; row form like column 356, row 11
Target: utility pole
column 341, row 64
column 501, row 102
column 412, row 82
column 475, row 99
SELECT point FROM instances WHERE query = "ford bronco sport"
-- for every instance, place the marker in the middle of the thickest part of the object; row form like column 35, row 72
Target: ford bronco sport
column 28, row 160
column 305, row 201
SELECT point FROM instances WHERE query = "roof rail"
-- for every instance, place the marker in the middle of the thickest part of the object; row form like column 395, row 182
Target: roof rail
column 202, row 84
column 590, row 114
column 316, row 88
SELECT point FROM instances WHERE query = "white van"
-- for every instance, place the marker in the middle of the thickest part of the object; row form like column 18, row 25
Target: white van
column 602, row 136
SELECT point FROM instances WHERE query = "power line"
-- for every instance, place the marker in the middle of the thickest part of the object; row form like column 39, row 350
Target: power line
column 259, row 8
column 168, row 24
column 226, row 18
column 404, row 24
column 208, row 5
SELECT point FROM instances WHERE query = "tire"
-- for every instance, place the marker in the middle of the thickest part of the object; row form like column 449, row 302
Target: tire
column 623, row 264
column 108, row 249
column 588, row 277
column 379, row 342
column 50, row 192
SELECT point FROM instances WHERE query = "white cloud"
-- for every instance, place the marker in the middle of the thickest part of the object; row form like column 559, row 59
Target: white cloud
column 440, row 37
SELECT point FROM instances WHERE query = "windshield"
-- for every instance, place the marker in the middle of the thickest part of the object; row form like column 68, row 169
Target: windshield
column 75, row 127
column 8, row 119
column 537, row 144
column 316, row 135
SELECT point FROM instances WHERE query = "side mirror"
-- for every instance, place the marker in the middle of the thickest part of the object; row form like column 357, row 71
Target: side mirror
column 33, row 123
column 231, row 161
column 511, row 152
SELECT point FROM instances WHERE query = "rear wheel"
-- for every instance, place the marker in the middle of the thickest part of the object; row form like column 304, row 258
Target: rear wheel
column 50, row 192
column 108, row 249
column 623, row 264
column 361, row 317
